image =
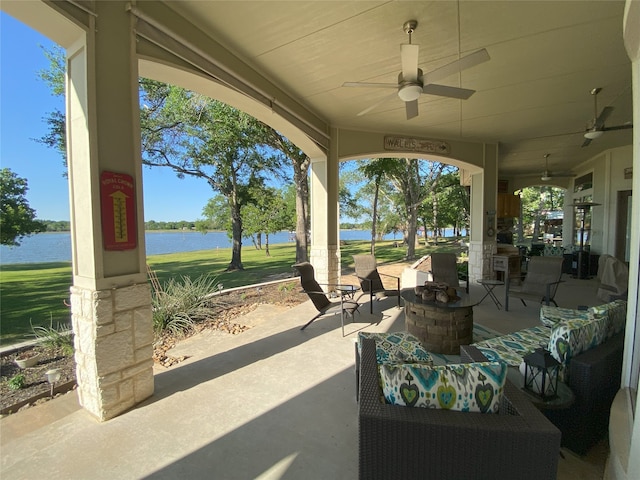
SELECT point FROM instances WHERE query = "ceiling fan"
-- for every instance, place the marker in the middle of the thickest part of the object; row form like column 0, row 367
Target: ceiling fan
column 597, row 127
column 412, row 82
column 547, row 175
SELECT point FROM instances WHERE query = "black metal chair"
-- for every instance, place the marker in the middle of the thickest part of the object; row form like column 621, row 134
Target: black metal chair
column 319, row 297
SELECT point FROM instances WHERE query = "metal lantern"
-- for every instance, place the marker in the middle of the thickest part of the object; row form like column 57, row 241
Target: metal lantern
column 541, row 374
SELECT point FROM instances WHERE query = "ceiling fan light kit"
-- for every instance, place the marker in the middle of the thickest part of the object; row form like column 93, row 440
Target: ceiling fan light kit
column 409, row 93
column 593, row 134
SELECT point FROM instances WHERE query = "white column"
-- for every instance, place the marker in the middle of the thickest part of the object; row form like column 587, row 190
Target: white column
column 482, row 238
column 325, row 227
column 110, row 297
column 624, row 426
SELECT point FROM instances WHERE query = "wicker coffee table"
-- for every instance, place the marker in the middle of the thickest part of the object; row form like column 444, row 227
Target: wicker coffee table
column 441, row 327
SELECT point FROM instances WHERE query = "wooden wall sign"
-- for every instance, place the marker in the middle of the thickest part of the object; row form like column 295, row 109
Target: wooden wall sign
column 409, row 144
column 118, row 209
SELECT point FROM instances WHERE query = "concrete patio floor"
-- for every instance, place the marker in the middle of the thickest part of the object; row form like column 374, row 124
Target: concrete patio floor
column 274, row 402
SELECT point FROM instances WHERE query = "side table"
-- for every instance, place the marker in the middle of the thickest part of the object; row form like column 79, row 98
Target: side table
column 347, row 291
column 489, row 285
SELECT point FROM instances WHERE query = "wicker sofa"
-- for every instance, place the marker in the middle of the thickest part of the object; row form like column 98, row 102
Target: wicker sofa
column 404, row 442
column 594, row 374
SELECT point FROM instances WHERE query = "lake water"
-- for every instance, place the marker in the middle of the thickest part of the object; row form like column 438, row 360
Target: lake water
column 56, row 247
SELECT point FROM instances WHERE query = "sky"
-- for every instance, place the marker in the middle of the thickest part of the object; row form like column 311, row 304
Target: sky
column 25, row 101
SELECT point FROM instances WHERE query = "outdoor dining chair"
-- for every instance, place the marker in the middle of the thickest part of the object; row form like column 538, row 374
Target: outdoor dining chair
column 371, row 281
column 541, row 282
column 444, row 269
column 319, row 297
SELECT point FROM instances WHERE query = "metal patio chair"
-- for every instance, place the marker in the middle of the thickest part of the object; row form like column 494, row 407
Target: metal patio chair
column 371, row 281
column 319, row 297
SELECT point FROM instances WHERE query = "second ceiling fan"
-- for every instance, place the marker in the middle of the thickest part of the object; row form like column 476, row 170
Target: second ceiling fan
column 597, row 128
column 412, row 82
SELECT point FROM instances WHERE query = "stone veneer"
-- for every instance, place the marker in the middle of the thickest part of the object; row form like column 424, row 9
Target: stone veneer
column 113, row 348
column 322, row 259
column 480, row 254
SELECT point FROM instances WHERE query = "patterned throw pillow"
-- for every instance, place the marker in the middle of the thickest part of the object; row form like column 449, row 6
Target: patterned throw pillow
column 617, row 314
column 465, row 387
column 397, row 347
column 551, row 316
column 576, row 336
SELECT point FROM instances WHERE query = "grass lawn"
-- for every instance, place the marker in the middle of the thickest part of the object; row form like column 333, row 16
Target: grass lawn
column 35, row 293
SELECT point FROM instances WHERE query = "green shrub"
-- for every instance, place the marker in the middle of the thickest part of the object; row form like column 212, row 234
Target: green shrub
column 182, row 303
column 58, row 337
column 16, row 382
column 286, row 287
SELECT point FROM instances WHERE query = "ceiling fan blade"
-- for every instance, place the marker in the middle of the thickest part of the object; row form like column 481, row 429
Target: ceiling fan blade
column 412, row 109
column 446, row 91
column 369, row 84
column 617, row 127
column 469, row 61
column 368, row 109
column 409, row 58
column 586, row 142
column 606, row 111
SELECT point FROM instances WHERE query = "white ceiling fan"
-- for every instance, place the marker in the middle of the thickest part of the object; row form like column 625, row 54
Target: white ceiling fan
column 547, row 175
column 597, row 128
column 412, row 82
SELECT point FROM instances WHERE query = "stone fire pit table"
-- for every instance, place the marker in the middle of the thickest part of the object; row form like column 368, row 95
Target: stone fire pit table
column 441, row 327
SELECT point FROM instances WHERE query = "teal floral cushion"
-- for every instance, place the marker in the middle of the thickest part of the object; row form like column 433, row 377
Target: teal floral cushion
column 550, row 316
column 512, row 347
column 576, row 336
column 465, row 387
column 397, row 347
column 616, row 312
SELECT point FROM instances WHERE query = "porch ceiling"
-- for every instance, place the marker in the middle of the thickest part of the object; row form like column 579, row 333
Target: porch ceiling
column 533, row 96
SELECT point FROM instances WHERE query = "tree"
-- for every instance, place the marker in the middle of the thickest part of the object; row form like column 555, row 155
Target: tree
column 216, row 213
column 537, row 202
column 447, row 205
column 194, row 135
column 17, row 219
column 300, row 163
column 413, row 185
column 375, row 171
column 267, row 213
column 54, row 77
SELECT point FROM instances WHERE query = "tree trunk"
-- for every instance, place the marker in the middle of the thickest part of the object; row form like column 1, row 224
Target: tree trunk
column 236, row 238
column 538, row 217
column 301, row 180
column 435, row 218
column 411, row 233
column 374, row 219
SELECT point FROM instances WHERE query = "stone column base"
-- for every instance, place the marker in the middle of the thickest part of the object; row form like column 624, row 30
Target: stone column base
column 113, row 348
column 326, row 263
column 480, row 260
